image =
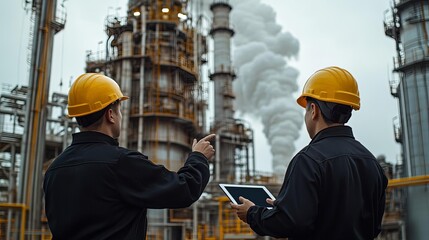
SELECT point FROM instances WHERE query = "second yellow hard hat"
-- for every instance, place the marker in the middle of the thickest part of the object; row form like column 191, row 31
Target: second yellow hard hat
column 331, row 84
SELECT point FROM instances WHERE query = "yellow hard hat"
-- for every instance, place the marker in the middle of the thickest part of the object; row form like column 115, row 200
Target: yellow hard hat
column 91, row 92
column 331, row 84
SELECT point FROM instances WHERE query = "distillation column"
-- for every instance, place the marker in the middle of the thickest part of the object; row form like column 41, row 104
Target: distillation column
column 409, row 27
column 222, row 77
column 152, row 56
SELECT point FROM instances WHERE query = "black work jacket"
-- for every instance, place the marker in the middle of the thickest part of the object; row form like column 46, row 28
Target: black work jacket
column 334, row 189
column 98, row 190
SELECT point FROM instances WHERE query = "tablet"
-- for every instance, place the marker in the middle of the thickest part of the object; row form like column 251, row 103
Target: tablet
column 255, row 193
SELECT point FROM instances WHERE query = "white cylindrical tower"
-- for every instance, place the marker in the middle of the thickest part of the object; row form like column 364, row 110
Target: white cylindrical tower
column 222, row 78
column 223, row 74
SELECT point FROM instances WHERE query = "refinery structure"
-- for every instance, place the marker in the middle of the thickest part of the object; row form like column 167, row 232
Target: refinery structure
column 160, row 55
column 408, row 24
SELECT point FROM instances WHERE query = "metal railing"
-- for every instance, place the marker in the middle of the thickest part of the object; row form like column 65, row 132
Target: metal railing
column 22, row 212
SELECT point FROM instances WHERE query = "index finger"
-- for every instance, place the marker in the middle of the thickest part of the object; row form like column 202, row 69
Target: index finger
column 208, row 137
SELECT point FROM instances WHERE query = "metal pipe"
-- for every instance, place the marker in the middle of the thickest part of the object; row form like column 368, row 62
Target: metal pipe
column 34, row 135
column 126, row 79
column 142, row 72
column 10, row 189
column 12, row 112
column 218, row 151
column 247, row 165
column 195, row 220
column 65, row 136
column 403, row 230
column 253, row 153
column 217, row 156
column 408, row 181
column 13, row 97
column 165, row 217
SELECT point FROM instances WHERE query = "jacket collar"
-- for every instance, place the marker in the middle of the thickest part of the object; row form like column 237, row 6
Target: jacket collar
column 93, row 137
column 337, row 131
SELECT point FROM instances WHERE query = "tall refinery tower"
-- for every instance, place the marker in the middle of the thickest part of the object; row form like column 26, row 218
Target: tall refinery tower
column 152, row 54
column 232, row 135
column 408, row 25
column 156, row 54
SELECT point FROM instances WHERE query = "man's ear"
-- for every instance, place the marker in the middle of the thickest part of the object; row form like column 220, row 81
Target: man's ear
column 109, row 116
column 315, row 111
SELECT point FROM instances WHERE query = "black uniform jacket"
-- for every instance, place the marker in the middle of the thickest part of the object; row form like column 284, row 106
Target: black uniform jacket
column 98, row 190
column 333, row 189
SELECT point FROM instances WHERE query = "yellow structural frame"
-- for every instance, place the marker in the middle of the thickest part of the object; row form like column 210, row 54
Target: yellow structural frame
column 408, row 181
column 229, row 223
column 23, row 209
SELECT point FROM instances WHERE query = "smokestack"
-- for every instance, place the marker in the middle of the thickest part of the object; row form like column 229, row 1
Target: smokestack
column 265, row 83
column 223, row 75
column 222, row 78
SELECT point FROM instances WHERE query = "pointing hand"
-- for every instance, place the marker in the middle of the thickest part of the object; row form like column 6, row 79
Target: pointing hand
column 203, row 146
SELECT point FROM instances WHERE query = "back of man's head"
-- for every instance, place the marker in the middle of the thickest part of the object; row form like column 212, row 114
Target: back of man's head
column 332, row 112
column 90, row 96
column 335, row 91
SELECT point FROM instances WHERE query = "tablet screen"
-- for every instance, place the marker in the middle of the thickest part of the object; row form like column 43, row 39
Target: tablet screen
column 256, row 194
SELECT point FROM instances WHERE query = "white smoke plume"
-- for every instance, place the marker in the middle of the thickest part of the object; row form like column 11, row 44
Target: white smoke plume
column 265, row 83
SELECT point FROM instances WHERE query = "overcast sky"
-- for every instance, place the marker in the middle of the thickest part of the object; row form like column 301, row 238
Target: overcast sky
column 348, row 34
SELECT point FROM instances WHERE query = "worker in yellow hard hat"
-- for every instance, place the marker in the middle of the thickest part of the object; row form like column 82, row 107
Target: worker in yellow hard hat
column 97, row 190
column 334, row 188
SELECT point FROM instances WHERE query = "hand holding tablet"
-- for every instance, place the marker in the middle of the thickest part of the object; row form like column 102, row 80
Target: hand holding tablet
column 255, row 193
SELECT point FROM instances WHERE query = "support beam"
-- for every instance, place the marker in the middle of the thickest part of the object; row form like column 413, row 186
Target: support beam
column 409, row 181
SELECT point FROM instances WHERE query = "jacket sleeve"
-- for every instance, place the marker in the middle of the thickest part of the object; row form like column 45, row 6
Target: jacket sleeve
column 142, row 183
column 295, row 210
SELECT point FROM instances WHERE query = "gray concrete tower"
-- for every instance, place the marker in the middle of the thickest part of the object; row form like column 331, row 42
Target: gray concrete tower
column 408, row 25
column 223, row 74
column 222, row 78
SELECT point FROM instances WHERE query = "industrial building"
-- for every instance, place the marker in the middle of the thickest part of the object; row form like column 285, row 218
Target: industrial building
column 159, row 55
column 408, row 24
column 156, row 54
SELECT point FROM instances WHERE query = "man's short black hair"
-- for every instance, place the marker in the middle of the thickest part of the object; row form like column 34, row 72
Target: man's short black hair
column 333, row 112
column 94, row 118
